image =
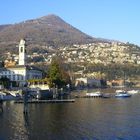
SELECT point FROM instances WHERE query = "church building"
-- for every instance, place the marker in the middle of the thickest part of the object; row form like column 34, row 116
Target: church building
column 19, row 74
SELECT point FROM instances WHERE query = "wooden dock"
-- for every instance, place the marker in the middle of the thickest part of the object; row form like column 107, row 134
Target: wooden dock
column 85, row 96
column 47, row 101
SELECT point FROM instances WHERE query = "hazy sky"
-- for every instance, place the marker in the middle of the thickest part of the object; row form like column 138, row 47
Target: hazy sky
column 111, row 19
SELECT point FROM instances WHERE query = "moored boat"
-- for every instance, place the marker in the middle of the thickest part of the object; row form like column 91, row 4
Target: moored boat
column 106, row 95
column 6, row 96
column 122, row 94
column 94, row 94
column 133, row 91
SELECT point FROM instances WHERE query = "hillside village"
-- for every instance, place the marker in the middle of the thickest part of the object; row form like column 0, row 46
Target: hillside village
column 104, row 53
column 96, row 53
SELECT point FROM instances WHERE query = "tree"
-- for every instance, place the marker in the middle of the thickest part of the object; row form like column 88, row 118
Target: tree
column 57, row 74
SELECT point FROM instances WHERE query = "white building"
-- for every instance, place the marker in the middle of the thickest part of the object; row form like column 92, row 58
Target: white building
column 91, row 82
column 19, row 74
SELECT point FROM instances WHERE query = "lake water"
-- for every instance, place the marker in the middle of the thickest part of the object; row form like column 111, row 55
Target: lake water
column 86, row 119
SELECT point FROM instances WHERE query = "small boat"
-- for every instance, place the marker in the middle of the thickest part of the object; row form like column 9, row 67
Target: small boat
column 106, row 95
column 6, row 96
column 94, row 94
column 133, row 91
column 122, row 94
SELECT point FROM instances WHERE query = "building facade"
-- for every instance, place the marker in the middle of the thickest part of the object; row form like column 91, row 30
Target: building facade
column 19, row 74
column 87, row 82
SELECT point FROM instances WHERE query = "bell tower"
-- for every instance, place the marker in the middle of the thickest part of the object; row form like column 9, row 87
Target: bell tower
column 22, row 52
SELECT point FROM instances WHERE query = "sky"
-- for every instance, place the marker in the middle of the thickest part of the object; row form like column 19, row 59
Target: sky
column 110, row 19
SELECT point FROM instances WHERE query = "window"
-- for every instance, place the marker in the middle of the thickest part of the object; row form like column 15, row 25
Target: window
column 21, row 77
column 10, row 77
column 21, row 49
column 18, row 77
column 13, row 77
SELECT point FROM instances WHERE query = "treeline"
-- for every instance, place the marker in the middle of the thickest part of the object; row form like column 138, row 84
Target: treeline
column 114, row 71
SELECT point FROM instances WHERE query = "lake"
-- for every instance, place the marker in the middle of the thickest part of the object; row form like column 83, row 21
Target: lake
column 86, row 119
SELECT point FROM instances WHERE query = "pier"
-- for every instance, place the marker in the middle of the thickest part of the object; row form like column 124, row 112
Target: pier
column 47, row 101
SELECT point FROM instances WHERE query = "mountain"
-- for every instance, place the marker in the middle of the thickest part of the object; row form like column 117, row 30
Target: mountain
column 47, row 30
column 3, row 26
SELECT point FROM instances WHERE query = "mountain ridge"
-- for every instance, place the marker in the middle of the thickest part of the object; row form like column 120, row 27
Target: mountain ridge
column 46, row 30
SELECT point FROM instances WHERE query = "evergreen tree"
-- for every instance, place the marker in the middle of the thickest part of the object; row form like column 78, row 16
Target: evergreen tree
column 57, row 74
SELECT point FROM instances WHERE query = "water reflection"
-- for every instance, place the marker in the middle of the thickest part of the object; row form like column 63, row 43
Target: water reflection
column 85, row 119
column 1, row 106
column 26, row 120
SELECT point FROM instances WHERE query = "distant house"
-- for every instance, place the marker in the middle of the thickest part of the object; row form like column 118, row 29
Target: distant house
column 116, row 83
column 87, row 82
